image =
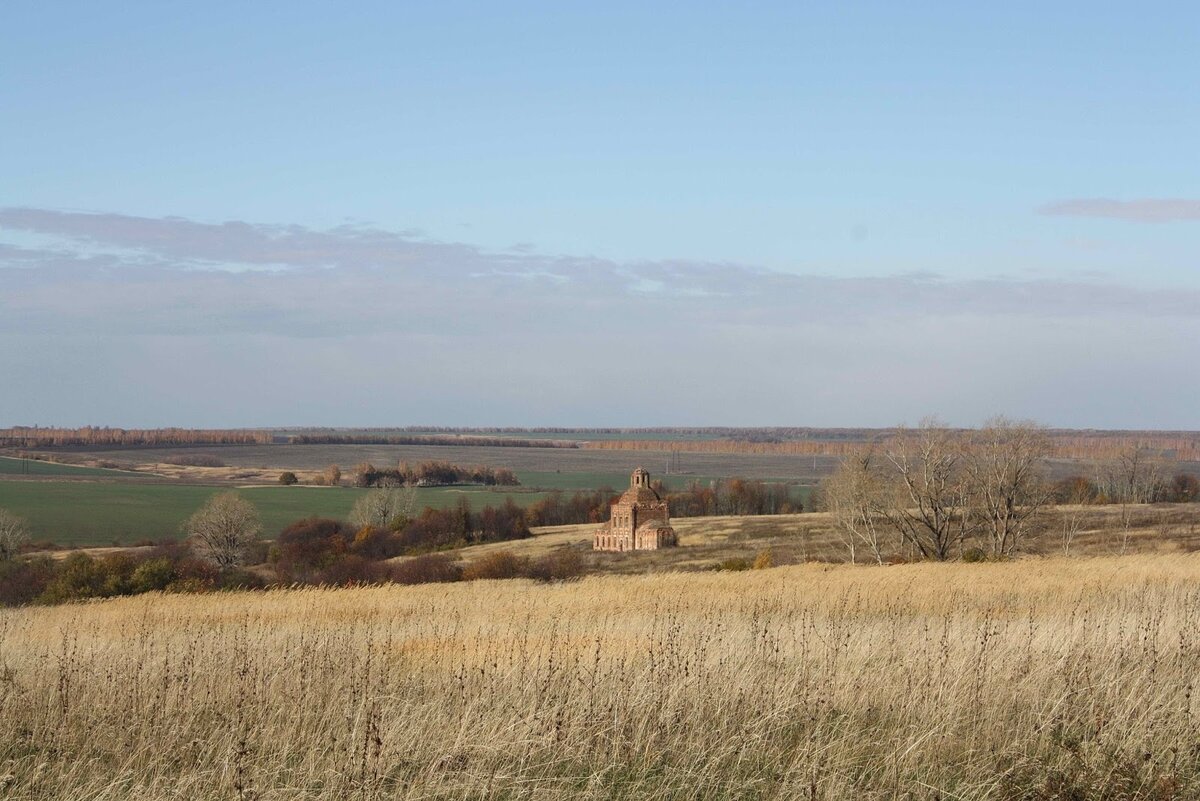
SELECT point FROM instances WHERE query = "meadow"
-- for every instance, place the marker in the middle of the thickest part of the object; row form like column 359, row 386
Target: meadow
column 1034, row 679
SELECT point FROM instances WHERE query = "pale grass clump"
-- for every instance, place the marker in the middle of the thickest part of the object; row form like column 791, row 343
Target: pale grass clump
column 1036, row 679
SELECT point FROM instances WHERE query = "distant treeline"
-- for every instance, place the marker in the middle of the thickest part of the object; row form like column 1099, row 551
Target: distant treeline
column 35, row 437
column 1073, row 445
column 406, row 439
column 433, row 474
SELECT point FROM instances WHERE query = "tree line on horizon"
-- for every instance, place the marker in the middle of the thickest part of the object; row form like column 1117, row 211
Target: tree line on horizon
column 93, row 436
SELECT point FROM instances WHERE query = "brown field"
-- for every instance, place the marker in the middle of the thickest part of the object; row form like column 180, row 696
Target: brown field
column 260, row 464
column 1035, row 679
column 315, row 457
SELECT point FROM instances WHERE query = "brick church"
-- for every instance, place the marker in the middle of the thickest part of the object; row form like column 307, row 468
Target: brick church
column 638, row 521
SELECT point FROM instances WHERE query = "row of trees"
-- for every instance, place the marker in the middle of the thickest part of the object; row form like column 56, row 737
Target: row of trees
column 36, row 437
column 432, row 474
column 436, row 439
column 934, row 489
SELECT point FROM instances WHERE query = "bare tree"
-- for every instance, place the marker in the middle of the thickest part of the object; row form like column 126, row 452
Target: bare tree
column 1134, row 477
column 930, row 503
column 224, row 528
column 1003, row 462
column 14, row 532
column 855, row 498
column 380, row 508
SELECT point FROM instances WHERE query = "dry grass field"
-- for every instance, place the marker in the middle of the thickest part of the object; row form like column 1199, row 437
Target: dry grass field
column 708, row 542
column 1033, row 679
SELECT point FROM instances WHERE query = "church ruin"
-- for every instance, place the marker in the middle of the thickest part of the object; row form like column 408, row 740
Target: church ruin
column 638, row 520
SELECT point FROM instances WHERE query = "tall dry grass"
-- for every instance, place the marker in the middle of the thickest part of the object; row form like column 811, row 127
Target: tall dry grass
column 1064, row 679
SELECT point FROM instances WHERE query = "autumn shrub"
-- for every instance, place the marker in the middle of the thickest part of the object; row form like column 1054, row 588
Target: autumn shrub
column 562, row 564
column 499, row 565
column 23, row 580
column 151, row 575
column 764, row 559
column 307, row 547
column 376, row 543
column 432, row 568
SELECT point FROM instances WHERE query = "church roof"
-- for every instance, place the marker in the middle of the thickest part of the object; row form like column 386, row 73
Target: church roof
column 639, row 495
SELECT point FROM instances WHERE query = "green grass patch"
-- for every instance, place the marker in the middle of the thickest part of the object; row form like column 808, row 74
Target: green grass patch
column 79, row 513
column 34, row 467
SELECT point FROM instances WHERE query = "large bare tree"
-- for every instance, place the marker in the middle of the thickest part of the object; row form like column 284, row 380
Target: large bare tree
column 1003, row 461
column 224, row 528
column 14, row 532
column 930, row 503
column 855, row 497
column 1135, row 476
column 380, row 508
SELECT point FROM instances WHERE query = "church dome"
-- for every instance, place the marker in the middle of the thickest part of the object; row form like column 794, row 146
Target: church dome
column 639, row 495
column 639, row 488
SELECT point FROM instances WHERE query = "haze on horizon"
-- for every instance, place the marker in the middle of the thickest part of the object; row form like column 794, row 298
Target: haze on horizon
column 299, row 214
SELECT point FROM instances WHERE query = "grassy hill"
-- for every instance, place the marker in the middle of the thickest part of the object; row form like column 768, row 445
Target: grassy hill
column 1019, row 681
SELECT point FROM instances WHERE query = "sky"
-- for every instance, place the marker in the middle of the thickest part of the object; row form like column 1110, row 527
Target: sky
column 611, row 214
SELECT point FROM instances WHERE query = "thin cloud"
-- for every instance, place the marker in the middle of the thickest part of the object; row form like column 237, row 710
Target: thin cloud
column 1148, row 210
column 157, row 318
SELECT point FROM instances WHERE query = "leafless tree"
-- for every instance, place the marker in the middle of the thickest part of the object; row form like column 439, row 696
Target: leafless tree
column 1003, row 463
column 14, row 532
column 331, row 475
column 930, row 504
column 380, row 508
column 224, row 528
column 1073, row 510
column 1134, row 477
column 855, row 498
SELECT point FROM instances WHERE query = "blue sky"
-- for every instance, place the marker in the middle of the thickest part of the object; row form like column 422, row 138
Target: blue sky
column 1007, row 149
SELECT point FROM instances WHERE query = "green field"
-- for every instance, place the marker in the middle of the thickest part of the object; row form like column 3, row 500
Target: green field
column 87, row 513
column 34, row 467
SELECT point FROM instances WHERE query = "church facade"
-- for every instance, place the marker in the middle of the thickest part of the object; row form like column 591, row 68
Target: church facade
column 638, row 520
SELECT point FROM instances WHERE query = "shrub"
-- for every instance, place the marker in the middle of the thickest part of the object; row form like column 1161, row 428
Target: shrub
column 563, row 564
column 734, row 563
column 1184, row 488
column 376, row 543
column 500, row 565
column 287, row 478
column 352, row 570
column 764, row 560
column 238, row 579
column 429, row 569
column 23, row 580
column 79, row 576
column 307, row 547
column 151, row 575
